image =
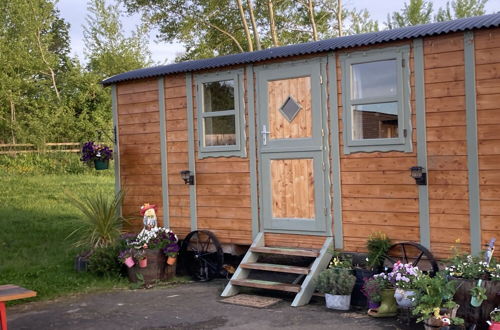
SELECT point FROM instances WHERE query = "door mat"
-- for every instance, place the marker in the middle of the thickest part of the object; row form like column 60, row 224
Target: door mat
column 251, row 301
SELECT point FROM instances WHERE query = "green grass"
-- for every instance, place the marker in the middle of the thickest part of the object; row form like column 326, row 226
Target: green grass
column 35, row 220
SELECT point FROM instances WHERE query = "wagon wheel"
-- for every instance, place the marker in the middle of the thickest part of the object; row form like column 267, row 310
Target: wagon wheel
column 414, row 253
column 201, row 255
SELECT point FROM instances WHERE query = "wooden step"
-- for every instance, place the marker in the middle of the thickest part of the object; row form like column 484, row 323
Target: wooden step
column 276, row 268
column 286, row 251
column 267, row 285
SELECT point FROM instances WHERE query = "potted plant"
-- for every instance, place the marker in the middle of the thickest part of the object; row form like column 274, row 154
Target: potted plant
column 494, row 323
column 434, row 300
column 141, row 257
column 378, row 245
column 372, row 289
column 388, row 307
column 337, row 285
column 171, row 251
column 96, row 154
column 126, row 257
column 403, row 277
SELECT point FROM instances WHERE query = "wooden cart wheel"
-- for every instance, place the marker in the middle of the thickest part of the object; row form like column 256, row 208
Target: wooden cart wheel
column 201, row 255
column 414, row 253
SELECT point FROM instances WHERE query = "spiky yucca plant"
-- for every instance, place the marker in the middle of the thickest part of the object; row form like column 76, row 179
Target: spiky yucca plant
column 101, row 222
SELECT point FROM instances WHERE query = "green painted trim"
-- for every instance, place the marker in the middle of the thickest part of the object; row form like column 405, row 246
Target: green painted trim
column 163, row 152
column 326, row 149
column 308, row 285
column 335, row 153
column 402, row 143
column 191, row 156
column 239, row 149
column 472, row 143
column 116, row 147
column 423, row 190
column 254, row 198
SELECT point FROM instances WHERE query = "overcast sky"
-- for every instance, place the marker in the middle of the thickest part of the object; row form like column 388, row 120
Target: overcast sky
column 75, row 11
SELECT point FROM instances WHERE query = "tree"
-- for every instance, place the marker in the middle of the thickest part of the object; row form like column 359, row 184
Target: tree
column 107, row 49
column 460, row 9
column 417, row 12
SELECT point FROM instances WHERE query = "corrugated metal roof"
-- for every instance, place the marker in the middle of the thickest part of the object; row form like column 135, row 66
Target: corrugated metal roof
column 471, row 23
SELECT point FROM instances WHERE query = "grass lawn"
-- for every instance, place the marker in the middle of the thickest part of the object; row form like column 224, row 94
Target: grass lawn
column 35, row 220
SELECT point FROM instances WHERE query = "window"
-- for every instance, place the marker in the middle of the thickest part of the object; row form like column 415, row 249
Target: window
column 376, row 102
column 220, row 114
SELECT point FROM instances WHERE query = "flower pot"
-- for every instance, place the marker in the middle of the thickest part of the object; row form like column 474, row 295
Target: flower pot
column 388, row 306
column 405, row 298
column 432, row 324
column 494, row 326
column 101, row 164
column 129, row 262
column 143, row 263
column 338, row 302
column 171, row 260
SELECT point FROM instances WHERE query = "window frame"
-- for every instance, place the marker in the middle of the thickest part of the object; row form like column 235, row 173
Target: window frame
column 238, row 149
column 401, row 143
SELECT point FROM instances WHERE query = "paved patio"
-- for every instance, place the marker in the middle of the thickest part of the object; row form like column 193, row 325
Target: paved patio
column 186, row 306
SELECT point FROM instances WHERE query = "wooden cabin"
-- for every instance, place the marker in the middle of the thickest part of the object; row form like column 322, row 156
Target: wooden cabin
column 315, row 141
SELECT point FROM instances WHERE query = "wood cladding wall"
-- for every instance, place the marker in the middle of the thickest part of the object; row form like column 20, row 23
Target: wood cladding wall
column 487, row 48
column 139, row 135
column 377, row 192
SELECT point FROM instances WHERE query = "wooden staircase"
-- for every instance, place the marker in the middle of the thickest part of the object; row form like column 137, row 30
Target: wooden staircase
column 304, row 291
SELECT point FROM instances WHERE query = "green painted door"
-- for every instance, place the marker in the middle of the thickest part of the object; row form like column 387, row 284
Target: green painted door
column 291, row 150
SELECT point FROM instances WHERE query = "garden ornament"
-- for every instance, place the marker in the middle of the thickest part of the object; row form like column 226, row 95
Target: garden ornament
column 149, row 213
column 474, row 301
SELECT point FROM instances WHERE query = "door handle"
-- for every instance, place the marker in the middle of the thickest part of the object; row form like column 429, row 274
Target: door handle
column 264, row 135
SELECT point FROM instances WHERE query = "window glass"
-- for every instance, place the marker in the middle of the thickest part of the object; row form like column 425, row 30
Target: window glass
column 220, row 131
column 218, row 96
column 374, row 79
column 375, row 121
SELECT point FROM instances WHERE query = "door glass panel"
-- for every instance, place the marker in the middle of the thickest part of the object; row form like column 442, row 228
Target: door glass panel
column 374, row 79
column 220, row 131
column 218, row 96
column 290, row 108
column 292, row 188
column 375, row 121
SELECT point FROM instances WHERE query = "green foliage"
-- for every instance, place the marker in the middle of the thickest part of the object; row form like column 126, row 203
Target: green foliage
column 34, row 222
column 479, row 293
column 103, row 261
column 340, row 260
column 457, row 321
column 372, row 288
column 433, row 293
column 495, row 315
column 378, row 244
column 336, row 281
column 101, row 224
column 460, row 9
column 414, row 13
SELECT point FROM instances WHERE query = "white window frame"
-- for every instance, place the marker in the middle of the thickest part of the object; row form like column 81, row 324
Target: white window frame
column 239, row 148
column 403, row 141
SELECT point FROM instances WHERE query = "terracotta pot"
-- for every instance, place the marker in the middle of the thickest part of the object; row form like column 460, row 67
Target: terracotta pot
column 171, row 260
column 129, row 262
column 143, row 263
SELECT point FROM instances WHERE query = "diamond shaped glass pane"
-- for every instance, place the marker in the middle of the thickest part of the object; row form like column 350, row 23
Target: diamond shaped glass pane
column 290, row 109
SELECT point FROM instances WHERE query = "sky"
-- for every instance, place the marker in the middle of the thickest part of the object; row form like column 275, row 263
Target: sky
column 75, row 11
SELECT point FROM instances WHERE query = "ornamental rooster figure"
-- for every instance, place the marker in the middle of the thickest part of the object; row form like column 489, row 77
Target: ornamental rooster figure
column 149, row 213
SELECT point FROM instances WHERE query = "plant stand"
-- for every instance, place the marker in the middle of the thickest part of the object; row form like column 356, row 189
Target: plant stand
column 157, row 269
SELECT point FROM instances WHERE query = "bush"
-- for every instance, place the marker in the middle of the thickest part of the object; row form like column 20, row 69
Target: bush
column 104, row 262
column 336, row 281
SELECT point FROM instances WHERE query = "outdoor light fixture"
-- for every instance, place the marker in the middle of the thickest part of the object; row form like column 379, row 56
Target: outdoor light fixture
column 188, row 177
column 417, row 172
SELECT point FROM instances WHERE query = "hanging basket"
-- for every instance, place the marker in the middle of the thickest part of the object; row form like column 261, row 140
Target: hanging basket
column 101, row 164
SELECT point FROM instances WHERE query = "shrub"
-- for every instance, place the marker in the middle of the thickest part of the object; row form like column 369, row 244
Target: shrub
column 104, row 262
column 378, row 244
column 336, row 281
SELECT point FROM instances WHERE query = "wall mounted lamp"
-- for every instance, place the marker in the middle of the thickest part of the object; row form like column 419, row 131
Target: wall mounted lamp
column 417, row 172
column 188, row 177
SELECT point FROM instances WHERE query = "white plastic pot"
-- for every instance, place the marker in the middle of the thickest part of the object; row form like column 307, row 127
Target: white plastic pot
column 342, row 303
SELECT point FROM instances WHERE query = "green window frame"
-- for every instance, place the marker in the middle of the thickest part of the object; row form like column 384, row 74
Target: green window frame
column 394, row 103
column 236, row 149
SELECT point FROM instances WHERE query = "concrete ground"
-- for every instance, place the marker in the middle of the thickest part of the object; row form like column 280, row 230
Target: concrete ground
column 185, row 306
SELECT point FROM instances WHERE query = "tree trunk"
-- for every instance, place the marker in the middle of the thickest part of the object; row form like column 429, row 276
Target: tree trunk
column 339, row 17
column 245, row 26
column 310, row 6
column 12, row 120
column 272, row 23
column 254, row 25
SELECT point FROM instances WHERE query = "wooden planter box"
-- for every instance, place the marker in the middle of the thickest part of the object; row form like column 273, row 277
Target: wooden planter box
column 476, row 315
column 157, row 269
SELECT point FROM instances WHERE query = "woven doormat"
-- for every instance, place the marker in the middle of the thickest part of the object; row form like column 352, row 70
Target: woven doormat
column 251, row 300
